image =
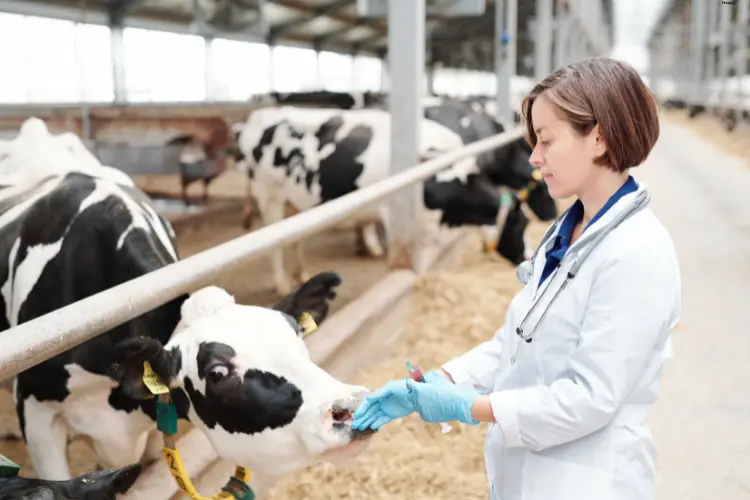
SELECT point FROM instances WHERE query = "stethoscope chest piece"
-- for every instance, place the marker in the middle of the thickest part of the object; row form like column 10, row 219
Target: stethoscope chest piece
column 525, row 271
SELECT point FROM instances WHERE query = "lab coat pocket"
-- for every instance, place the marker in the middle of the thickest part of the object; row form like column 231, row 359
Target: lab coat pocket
column 546, row 478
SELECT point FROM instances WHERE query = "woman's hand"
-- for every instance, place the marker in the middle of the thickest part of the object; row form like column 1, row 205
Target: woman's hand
column 438, row 376
column 437, row 401
column 442, row 401
column 388, row 403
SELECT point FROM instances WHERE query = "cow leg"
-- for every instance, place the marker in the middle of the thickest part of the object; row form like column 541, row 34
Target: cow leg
column 372, row 241
column 247, row 215
column 360, row 249
column 46, row 438
column 300, row 266
column 273, row 211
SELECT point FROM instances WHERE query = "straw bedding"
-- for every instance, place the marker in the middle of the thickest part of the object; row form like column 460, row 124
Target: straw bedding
column 453, row 311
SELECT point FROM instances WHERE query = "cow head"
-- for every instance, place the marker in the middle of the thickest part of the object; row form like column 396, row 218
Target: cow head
column 99, row 485
column 250, row 382
column 511, row 168
column 468, row 197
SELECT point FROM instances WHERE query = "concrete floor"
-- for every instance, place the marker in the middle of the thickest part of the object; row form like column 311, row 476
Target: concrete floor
column 701, row 422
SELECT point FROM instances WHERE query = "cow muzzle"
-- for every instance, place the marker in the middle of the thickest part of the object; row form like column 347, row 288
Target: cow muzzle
column 341, row 415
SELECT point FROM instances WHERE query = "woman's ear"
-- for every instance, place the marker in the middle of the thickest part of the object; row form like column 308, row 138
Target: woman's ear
column 600, row 145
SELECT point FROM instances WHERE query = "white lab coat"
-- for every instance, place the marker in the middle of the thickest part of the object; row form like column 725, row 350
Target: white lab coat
column 571, row 410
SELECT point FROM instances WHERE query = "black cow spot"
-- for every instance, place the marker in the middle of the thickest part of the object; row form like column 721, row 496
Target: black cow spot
column 246, row 404
column 265, row 140
column 340, row 170
column 326, row 133
column 48, row 383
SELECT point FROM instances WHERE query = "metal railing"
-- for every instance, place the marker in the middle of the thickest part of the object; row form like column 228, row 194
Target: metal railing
column 42, row 338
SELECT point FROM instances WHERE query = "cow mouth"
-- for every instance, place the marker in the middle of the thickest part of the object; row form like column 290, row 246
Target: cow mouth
column 342, row 416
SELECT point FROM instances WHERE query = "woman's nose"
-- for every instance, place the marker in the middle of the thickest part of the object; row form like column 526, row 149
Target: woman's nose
column 536, row 157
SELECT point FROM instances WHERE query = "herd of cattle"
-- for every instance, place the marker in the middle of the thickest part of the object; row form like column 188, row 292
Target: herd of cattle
column 71, row 227
column 299, row 157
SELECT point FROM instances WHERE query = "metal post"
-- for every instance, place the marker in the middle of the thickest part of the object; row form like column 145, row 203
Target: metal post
column 698, row 20
column 208, row 70
column 724, row 34
column 710, row 52
column 562, row 34
column 118, row 63
column 741, row 55
column 543, row 46
column 511, row 49
column 502, row 72
column 406, row 51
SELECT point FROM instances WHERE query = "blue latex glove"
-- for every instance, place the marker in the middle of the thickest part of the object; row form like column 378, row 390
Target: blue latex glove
column 384, row 405
column 436, row 401
column 435, row 377
column 441, row 402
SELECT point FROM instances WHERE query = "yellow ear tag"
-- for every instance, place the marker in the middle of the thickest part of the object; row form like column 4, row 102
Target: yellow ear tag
column 307, row 323
column 536, row 175
column 152, row 381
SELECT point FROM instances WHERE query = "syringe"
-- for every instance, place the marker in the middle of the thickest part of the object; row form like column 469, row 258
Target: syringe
column 417, row 376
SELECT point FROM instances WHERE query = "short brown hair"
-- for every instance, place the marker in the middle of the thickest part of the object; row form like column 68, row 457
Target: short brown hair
column 606, row 92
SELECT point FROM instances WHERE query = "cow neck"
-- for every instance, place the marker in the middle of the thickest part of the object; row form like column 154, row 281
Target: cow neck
column 237, row 486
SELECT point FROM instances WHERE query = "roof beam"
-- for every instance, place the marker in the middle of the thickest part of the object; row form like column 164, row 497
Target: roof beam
column 309, row 15
column 353, row 21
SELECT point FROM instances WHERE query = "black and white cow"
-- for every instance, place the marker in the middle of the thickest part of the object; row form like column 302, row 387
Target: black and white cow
column 507, row 167
column 299, row 158
column 321, row 98
column 240, row 373
column 98, row 485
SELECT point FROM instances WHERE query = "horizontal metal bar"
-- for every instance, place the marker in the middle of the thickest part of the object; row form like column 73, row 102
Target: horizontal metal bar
column 40, row 339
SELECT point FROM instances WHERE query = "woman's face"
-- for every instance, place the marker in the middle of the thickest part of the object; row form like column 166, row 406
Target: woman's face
column 565, row 158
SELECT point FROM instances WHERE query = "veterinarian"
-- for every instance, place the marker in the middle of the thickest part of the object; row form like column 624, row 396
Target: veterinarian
column 566, row 383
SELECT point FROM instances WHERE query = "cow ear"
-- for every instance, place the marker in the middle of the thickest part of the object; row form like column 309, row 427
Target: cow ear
column 311, row 300
column 143, row 366
column 105, row 483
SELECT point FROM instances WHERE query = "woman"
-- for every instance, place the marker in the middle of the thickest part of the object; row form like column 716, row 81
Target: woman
column 567, row 407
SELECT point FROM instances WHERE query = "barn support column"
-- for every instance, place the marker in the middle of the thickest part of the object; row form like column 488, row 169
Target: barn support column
column 562, row 37
column 698, row 16
column 543, row 45
column 406, row 43
column 723, row 40
column 208, row 70
column 506, row 22
column 118, row 63
column 710, row 50
column 741, row 55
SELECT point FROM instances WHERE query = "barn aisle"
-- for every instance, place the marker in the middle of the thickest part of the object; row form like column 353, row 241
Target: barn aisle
column 700, row 423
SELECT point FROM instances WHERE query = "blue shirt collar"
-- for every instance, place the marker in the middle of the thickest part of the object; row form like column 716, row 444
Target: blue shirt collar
column 575, row 214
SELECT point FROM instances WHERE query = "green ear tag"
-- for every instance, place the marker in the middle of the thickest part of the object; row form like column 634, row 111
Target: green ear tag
column 8, row 468
column 166, row 418
column 238, row 489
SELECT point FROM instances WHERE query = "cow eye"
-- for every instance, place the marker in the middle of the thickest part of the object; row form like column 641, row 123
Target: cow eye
column 217, row 372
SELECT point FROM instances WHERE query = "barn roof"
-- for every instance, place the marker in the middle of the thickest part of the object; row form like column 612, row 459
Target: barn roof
column 322, row 24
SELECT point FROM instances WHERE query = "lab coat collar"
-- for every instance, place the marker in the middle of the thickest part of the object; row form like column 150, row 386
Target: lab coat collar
column 599, row 222
column 614, row 206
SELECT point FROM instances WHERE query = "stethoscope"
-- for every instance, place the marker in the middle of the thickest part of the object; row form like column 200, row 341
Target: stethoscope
column 525, row 269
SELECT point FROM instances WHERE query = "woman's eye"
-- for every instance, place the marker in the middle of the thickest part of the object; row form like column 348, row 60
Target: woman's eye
column 218, row 372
